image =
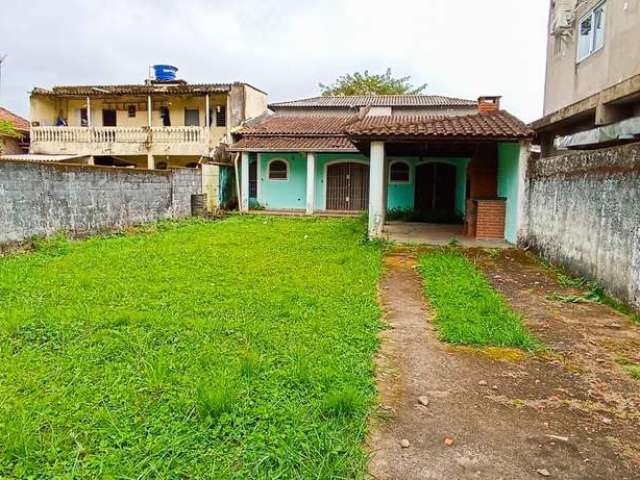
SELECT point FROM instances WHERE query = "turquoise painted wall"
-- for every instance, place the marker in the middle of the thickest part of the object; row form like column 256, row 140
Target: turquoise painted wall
column 291, row 194
column 401, row 195
column 508, row 155
column 283, row 194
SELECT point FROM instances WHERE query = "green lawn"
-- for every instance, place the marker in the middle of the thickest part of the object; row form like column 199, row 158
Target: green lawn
column 468, row 310
column 234, row 349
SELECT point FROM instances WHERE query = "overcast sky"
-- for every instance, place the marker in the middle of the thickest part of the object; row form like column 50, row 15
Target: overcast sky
column 462, row 48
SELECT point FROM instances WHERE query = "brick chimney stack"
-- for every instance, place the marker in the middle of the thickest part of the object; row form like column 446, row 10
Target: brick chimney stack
column 488, row 104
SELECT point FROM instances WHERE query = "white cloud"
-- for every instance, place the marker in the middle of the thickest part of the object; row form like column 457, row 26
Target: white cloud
column 461, row 48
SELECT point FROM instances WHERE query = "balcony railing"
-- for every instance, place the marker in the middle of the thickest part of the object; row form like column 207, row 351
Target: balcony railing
column 139, row 135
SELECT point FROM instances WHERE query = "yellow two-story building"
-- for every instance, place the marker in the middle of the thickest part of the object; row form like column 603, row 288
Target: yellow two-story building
column 154, row 125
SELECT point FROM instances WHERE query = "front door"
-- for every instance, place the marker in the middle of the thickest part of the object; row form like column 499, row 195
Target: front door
column 435, row 195
column 347, row 186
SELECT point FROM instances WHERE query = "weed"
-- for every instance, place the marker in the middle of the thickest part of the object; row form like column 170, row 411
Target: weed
column 593, row 292
column 54, row 246
column 342, row 402
column 632, row 368
column 216, row 397
column 249, row 364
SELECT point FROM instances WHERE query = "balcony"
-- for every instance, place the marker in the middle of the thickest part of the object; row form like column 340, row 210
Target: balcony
column 125, row 140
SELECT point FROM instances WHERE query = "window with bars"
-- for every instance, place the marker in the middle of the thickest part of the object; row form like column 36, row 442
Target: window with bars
column 221, row 116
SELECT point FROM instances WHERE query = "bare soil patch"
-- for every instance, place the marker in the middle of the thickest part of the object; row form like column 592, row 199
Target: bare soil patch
column 570, row 412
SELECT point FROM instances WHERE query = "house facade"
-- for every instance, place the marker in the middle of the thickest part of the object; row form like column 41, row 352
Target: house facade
column 440, row 159
column 592, row 91
column 156, row 125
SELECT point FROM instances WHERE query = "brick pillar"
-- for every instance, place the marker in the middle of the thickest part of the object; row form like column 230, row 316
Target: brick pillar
column 490, row 218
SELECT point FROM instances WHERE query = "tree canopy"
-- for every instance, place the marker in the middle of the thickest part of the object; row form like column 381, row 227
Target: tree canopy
column 364, row 83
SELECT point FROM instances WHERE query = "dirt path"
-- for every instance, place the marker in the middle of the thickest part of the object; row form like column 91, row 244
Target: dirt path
column 508, row 416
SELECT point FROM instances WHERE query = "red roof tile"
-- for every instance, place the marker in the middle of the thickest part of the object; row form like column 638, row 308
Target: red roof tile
column 296, row 144
column 282, row 124
column 18, row 122
column 352, row 101
column 282, row 132
column 494, row 125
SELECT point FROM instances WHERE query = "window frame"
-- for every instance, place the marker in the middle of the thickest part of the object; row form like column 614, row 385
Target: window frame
column 288, row 170
column 190, row 111
column 399, row 182
column 220, row 112
column 591, row 14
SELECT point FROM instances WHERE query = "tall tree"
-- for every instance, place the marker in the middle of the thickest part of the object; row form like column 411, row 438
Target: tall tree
column 371, row 84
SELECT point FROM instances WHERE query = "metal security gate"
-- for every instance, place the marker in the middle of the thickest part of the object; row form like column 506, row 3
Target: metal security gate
column 347, row 186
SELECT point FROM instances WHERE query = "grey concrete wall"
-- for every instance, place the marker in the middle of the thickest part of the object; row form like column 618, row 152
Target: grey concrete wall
column 583, row 212
column 42, row 198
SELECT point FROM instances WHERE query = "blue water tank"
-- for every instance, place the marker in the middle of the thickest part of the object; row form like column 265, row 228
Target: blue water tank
column 165, row 73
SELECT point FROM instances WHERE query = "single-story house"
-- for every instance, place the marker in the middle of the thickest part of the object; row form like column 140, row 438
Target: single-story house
column 445, row 160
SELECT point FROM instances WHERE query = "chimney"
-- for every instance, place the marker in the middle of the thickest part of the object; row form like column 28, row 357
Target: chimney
column 488, row 104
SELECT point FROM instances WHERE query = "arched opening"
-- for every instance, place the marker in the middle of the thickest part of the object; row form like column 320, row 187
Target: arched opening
column 347, row 185
column 435, row 193
column 278, row 170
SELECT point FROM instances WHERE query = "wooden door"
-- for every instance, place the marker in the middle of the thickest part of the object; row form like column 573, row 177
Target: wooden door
column 435, row 193
column 347, row 186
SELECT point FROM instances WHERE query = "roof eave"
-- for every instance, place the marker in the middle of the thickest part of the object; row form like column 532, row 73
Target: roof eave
column 435, row 138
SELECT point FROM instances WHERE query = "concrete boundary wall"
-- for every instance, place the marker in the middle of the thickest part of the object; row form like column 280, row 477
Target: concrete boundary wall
column 583, row 212
column 39, row 199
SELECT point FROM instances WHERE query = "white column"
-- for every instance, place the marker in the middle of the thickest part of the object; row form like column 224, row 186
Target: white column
column 151, row 162
column 376, row 190
column 149, row 106
column 207, row 113
column 311, row 183
column 244, row 187
column 88, row 111
column 523, row 194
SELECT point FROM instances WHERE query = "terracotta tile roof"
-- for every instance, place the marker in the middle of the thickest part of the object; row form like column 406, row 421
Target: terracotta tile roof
column 295, row 144
column 494, row 125
column 282, row 132
column 18, row 122
column 376, row 101
column 135, row 89
column 312, row 125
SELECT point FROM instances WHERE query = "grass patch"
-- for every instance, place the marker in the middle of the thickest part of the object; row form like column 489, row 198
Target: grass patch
column 209, row 350
column 632, row 368
column 468, row 310
column 593, row 292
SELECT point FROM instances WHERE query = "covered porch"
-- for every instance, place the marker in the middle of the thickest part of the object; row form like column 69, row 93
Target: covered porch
column 455, row 190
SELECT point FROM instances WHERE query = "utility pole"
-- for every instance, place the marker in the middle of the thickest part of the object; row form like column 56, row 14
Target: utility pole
column 2, row 58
